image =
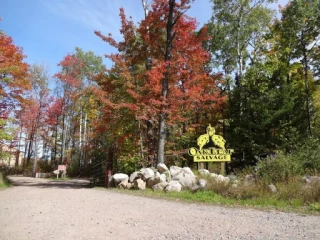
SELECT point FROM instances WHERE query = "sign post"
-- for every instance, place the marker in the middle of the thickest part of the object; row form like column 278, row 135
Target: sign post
column 218, row 153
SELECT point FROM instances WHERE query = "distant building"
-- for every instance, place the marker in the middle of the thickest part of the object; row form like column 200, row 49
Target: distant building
column 10, row 156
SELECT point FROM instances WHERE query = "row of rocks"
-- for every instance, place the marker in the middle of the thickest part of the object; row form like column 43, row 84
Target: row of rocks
column 176, row 179
column 173, row 179
column 160, row 178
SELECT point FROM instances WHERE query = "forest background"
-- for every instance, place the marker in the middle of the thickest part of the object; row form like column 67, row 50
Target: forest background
column 250, row 73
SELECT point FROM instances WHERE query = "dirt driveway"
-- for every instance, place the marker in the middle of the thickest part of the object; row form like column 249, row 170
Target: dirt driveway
column 45, row 209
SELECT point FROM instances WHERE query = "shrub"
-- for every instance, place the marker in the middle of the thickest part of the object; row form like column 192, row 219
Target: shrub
column 128, row 164
column 73, row 169
column 45, row 166
column 289, row 190
column 308, row 156
column 279, row 169
column 311, row 193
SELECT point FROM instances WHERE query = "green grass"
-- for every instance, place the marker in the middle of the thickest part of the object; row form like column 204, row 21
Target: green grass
column 211, row 198
column 4, row 182
column 61, row 179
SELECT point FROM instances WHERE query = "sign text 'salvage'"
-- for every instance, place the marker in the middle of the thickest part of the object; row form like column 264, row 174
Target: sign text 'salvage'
column 211, row 154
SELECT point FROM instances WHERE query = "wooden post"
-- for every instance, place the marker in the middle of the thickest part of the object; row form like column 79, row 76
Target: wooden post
column 223, row 168
column 201, row 165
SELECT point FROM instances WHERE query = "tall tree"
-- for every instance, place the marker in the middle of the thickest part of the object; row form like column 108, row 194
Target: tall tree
column 77, row 71
column 173, row 83
column 14, row 81
column 235, row 25
column 300, row 34
column 32, row 114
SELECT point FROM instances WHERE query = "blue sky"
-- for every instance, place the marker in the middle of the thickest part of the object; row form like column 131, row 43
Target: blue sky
column 49, row 29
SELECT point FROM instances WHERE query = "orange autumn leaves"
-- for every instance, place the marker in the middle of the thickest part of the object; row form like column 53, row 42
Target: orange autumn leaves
column 191, row 87
column 13, row 75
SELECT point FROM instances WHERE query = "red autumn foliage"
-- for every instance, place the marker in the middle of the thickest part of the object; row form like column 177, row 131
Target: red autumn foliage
column 13, row 76
column 191, row 88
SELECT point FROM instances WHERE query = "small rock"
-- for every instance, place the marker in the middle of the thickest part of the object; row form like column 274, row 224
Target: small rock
column 130, row 185
column 163, row 177
column 123, row 184
column 162, row 167
column 139, row 184
column 119, row 177
column 173, row 186
column 159, row 186
column 202, row 183
column 311, row 179
column 168, row 175
column 153, row 181
column 272, row 188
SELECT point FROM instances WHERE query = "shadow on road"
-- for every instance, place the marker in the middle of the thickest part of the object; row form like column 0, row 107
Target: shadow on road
column 49, row 183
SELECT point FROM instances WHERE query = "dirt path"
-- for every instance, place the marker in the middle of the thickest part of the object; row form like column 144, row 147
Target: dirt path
column 44, row 209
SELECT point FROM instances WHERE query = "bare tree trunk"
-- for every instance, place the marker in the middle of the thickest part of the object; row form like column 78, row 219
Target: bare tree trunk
column 85, row 141
column 55, row 143
column 63, row 139
column 19, row 146
column 306, row 82
column 165, row 84
column 80, row 138
column 145, row 6
column 35, row 145
column 30, row 147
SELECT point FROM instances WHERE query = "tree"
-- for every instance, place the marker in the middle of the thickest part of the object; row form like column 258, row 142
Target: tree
column 14, row 80
column 300, row 34
column 235, row 25
column 32, row 114
column 77, row 71
column 159, row 73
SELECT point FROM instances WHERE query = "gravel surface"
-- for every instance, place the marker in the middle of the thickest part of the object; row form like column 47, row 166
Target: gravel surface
column 46, row 209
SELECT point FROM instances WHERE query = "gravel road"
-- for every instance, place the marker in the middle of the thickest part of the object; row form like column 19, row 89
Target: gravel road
column 45, row 209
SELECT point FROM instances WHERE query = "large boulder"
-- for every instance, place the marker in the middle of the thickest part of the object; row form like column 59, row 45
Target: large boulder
column 204, row 172
column 124, row 184
column 163, row 177
column 139, row 184
column 162, row 167
column 188, row 170
column 153, row 181
column 173, row 186
column 174, row 170
column 134, row 176
column 220, row 178
column 311, row 179
column 119, row 177
column 186, row 180
column 202, row 184
column 159, row 186
column 147, row 173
